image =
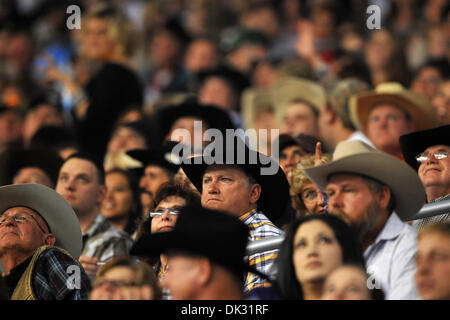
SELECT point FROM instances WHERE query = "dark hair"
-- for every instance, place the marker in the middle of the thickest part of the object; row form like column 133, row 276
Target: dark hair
column 96, row 162
column 135, row 214
column 352, row 252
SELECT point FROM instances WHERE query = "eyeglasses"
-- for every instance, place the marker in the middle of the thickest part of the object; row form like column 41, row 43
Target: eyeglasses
column 21, row 218
column 424, row 156
column 311, row 196
column 158, row 213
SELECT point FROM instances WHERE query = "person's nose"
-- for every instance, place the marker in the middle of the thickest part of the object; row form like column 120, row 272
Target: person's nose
column 334, row 202
column 212, row 187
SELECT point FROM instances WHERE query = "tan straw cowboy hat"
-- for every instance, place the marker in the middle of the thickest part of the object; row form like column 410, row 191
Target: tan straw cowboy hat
column 422, row 112
column 359, row 158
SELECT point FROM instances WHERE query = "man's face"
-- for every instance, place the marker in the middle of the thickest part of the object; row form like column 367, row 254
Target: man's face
column 226, row 188
column 188, row 134
column 300, row 118
column 433, row 172
column 433, row 266
column 289, row 157
column 154, row 176
column 441, row 102
column 126, row 139
column 78, row 183
column 385, row 125
column 427, row 82
column 217, row 91
column 350, row 198
column 24, row 236
column 32, row 175
column 181, row 276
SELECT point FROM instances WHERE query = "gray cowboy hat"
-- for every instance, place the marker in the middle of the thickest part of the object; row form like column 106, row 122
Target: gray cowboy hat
column 359, row 158
column 53, row 208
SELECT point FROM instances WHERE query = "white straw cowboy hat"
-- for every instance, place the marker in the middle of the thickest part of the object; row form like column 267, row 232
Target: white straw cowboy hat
column 359, row 158
column 289, row 89
column 53, row 208
column 422, row 112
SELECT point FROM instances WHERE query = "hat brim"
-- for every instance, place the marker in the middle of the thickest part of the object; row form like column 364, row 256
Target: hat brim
column 407, row 189
column 147, row 157
column 417, row 142
column 58, row 214
column 423, row 117
column 154, row 244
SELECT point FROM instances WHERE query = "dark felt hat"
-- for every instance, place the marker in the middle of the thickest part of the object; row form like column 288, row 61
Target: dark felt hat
column 15, row 159
column 165, row 117
column 217, row 235
column 274, row 186
column 414, row 143
column 160, row 156
column 306, row 142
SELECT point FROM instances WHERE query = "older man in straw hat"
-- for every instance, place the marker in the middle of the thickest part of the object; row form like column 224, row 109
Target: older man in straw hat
column 40, row 240
column 364, row 187
column 390, row 111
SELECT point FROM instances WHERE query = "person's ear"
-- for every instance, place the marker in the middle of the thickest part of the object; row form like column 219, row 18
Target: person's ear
column 101, row 194
column 384, row 197
column 50, row 239
column 205, row 271
column 255, row 193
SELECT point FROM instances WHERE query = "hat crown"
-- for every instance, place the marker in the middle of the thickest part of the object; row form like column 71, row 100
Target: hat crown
column 349, row 148
column 389, row 87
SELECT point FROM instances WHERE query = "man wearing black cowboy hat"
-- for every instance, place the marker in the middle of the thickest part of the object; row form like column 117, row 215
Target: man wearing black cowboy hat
column 159, row 167
column 427, row 152
column 205, row 253
column 40, row 244
column 245, row 190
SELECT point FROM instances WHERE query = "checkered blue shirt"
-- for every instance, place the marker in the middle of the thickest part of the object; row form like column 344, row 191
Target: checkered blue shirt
column 260, row 228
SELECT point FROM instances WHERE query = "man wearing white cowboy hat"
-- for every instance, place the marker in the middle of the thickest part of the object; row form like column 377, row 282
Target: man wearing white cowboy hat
column 427, row 152
column 40, row 240
column 390, row 111
column 364, row 187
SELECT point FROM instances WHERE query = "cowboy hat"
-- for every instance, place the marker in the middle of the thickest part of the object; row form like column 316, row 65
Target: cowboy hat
column 58, row 214
column 214, row 234
column 289, row 89
column 359, row 158
column 165, row 117
column 13, row 160
column 417, row 142
column 255, row 100
column 274, row 186
column 419, row 107
column 162, row 156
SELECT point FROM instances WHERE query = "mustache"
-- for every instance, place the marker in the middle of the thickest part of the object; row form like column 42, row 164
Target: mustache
column 144, row 191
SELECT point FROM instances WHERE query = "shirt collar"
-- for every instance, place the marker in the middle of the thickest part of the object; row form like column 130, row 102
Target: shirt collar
column 247, row 214
column 98, row 221
column 392, row 228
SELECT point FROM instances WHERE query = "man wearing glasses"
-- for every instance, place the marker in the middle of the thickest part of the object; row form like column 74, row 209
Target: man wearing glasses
column 427, row 152
column 40, row 240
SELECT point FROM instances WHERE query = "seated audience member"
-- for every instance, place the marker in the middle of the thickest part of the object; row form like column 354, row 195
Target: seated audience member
column 427, row 152
column 18, row 166
column 121, row 205
column 335, row 124
column 433, row 262
column 429, row 76
column 314, row 246
column 350, row 282
column 305, row 195
column 81, row 182
column 40, row 243
column 390, row 111
column 123, row 278
column 441, row 102
column 59, row 139
column 364, row 186
column 169, row 199
column 297, row 105
column 293, row 149
column 205, row 253
column 257, row 193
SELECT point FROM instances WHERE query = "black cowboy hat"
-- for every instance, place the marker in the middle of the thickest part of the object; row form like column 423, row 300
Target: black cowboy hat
column 274, row 187
column 306, row 142
column 165, row 117
column 414, row 143
column 15, row 159
column 217, row 235
column 160, row 156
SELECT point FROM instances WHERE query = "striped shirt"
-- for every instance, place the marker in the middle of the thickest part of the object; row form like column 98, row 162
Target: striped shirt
column 440, row 218
column 260, row 228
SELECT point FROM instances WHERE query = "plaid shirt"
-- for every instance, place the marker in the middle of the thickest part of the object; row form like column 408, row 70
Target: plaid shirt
column 260, row 228
column 103, row 240
column 51, row 277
